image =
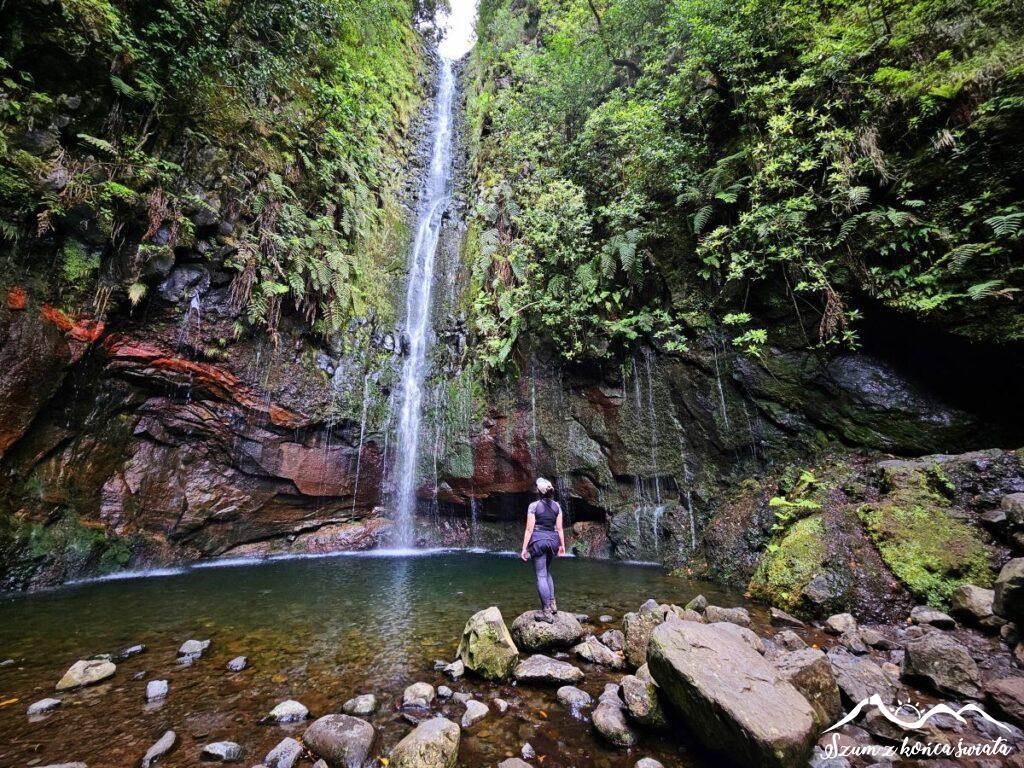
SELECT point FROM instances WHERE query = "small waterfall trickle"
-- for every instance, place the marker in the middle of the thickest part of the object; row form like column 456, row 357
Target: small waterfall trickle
column 362, row 436
column 419, row 305
column 653, row 421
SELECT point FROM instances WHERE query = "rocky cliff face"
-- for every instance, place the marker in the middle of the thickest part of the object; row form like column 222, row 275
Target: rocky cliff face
column 155, row 440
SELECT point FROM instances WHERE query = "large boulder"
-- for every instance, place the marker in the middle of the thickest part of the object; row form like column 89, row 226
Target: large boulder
column 810, row 673
column 730, row 696
column 609, row 718
column 973, row 606
column 542, row 669
column 530, row 633
column 487, row 647
column 941, row 661
column 1008, row 599
column 86, row 672
column 434, row 743
column 340, row 740
column 637, row 628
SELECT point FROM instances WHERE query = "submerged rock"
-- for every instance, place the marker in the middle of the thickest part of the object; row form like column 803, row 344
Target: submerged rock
column 596, row 652
column 647, row 762
column 86, row 672
column 366, row 704
column 573, row 698
column 514, row 762
column 161, row 747
column 530, row 633
column 609, row 718
column 730, row 696
column 156, row 690
column 238, row 663
column 223, row 752
column 285, row 755
column 945, row 664
column 780, row 618
column 193, row 648
column 133, row 650
column 475, row 711
column 289, row 711
column 43, row 705
column 341, row 740
column 418, row 696
column 434, row 743
column 486, row 647
column 542, row 669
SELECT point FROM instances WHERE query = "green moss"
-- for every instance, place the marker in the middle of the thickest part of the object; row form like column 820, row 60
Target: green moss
column 790, row 563
column 927, row 549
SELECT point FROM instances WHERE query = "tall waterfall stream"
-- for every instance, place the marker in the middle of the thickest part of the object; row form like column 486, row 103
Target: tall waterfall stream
column 419, row 303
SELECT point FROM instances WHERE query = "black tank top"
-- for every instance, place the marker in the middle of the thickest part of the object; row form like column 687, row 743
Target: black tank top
column 546, row 513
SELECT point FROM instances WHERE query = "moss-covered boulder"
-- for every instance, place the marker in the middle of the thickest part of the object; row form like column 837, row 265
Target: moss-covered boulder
column 799, row 572
column 487, row 647
column 920, row 535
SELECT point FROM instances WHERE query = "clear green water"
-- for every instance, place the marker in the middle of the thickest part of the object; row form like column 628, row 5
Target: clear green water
column 316, row 630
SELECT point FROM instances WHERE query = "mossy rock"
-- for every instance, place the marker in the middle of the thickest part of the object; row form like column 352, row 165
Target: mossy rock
column 798, row 572
column 928, row 550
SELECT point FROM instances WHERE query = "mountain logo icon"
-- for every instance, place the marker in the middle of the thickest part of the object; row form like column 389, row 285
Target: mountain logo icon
column 902, row 721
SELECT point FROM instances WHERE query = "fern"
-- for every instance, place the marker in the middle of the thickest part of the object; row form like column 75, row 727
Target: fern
column 984, row 290
column 96, row 143
column 701, row 219
column 1009, row 225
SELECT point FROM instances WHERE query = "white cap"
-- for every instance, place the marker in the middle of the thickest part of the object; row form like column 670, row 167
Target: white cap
column 544, row 487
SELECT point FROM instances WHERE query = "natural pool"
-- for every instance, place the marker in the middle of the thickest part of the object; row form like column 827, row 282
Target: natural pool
column 316, row 630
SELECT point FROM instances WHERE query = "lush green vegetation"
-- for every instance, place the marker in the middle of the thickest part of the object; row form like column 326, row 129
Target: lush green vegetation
column 648, row 168
column 127, row 125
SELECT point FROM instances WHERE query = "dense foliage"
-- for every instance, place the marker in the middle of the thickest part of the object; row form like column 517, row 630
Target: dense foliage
column 128, row 124
column 646, row 168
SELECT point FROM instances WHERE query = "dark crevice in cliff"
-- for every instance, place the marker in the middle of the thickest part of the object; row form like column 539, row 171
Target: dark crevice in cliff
column 978, row 377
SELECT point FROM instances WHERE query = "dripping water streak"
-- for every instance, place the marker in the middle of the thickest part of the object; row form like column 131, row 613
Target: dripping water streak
column 362, row 434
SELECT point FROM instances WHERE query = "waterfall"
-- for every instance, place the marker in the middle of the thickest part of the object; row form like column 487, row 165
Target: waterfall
column 419, row 304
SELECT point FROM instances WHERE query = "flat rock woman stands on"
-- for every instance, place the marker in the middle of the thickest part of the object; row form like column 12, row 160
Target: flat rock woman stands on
column 544, row 541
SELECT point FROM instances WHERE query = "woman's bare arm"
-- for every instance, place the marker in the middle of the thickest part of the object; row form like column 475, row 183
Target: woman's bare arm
column 531, row 520
column 561, row 535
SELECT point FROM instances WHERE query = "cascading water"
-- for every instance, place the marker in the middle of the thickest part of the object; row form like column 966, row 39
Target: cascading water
column 419, row 304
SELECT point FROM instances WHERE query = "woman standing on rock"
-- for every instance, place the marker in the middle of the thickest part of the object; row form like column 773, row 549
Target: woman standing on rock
column 543, row 541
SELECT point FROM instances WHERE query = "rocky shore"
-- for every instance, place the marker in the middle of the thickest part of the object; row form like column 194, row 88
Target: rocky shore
column 713, row 682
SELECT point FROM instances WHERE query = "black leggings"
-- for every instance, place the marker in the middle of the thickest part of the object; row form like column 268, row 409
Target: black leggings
column 542, row 558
